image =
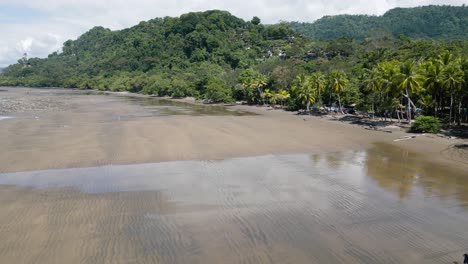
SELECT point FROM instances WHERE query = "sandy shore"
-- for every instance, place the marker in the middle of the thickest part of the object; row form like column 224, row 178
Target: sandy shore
column 298, row 189
column 84, row 131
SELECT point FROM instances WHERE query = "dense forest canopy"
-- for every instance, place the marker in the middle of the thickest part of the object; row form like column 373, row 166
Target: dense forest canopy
column 430, row 22
column 218, row 57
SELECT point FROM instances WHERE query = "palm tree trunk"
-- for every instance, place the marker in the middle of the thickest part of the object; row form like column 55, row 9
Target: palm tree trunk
column 451, row 107
column 319, row 95
column 459, row 112
column 380, row 100
column 260, row 94
column 408, row 106
column 440, row 104
column 308, row 106
column 398, row 114
column 373, row 111
column 339, row 103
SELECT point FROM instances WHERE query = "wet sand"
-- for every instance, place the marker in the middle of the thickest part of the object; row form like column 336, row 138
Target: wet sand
column 108, row 179
column 68, row 129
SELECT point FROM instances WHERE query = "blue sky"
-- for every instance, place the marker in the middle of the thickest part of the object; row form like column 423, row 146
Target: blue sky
column 39, row 27
column 14, row 14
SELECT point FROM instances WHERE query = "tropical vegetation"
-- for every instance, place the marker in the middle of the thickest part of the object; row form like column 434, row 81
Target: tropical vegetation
column 426, row 124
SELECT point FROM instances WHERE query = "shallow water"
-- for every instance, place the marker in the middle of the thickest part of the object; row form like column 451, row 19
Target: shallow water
column 107, row 104
column 153, row 106
column 382, row 205
column 158, row 106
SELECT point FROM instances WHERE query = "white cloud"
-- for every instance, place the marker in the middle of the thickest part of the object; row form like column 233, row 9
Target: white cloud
column 58, row 20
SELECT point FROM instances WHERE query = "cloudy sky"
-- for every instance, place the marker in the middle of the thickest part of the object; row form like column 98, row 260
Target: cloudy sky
column 39, row 27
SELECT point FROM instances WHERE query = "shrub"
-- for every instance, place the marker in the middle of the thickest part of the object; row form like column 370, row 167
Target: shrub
column 217, row 92
column 426, row 124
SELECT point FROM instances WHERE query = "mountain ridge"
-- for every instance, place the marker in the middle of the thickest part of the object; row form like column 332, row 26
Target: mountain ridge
column 426, row 22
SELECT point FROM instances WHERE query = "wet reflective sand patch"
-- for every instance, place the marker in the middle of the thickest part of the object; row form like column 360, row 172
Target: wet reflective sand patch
column 383, row 205
column 5, row 117
column 163, row 107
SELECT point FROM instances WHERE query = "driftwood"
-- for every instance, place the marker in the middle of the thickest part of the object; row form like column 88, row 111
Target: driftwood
column 408, row 137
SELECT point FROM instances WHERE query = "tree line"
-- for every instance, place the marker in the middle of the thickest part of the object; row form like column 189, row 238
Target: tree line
column 436, row 85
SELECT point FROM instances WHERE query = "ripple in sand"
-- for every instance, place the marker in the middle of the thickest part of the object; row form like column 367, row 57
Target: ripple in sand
column 382, row 205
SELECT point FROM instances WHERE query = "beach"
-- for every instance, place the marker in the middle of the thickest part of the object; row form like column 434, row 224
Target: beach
column 67, row 131
column 88, row 177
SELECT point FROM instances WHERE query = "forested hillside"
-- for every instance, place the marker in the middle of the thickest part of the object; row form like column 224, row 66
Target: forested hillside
column 220, row 58
column 166, row 56
column 430, row 22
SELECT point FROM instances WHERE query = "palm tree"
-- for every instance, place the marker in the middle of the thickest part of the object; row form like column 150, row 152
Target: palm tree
column 445, row 58
column 282, row 96
column 374, row 83
column 337, row 82
column 259, row 82
column 434, row 75
column 452, row 80
column 411, row 83
column 253, row 81
column 390, row 74
column 318, row 83
column 464, row 90
column 304, row 89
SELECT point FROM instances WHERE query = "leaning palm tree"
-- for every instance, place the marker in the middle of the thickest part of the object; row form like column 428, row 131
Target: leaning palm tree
column 411, row 83
column 452, row 80
column 303, row 88
column 337, row 82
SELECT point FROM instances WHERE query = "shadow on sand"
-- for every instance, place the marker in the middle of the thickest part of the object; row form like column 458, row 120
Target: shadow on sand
column 459, row 132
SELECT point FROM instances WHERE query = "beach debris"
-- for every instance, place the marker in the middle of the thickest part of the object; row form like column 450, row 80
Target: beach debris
column 446, row 136
column 404, row 138
column 407, row 137
column 392, row 127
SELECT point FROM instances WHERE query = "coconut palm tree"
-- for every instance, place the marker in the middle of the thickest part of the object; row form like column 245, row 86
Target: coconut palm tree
column 318, row 82
column 253, row 81
column 304, row 90
column 445, row 58
column 337, row 82
column 452, row 80
column 411, row 83
column 374, row 83
column 464, row 89
column 434, row 75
